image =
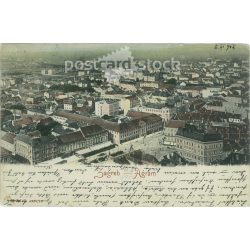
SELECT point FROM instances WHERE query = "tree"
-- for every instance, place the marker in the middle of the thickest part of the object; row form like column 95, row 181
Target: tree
column 18, row 80
column 106, row 117
column 172, row 81
column 18, row 106
column 72, row 88
column 46, row 129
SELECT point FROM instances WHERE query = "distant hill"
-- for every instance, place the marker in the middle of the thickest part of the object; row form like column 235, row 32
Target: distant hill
column 58, row 53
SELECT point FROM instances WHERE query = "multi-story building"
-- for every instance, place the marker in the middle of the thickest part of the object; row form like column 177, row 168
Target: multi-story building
column 171, row 130
column 48, row 72
column 235, row 133
column 163, row 112
column 39, row 149
column 35, row 150
column 154, row 85
column 69, row 105
column 199, row 147
column 128, row 103
column 86, row 137
column 6, row 156
column 139, row 125
column 7, row 141
column 110, row 108
column 229, row 107
column 128, row 87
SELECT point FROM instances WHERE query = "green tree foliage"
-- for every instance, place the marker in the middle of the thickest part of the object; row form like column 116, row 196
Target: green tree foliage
column 46, row 129
column 172, row 81
column 18, row 106
column 72, row 88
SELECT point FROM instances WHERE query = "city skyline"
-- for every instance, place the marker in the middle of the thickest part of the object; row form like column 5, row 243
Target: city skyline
column 194, row 113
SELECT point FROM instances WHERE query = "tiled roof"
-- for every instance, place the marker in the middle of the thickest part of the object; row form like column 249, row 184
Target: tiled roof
column 24, row 138
column 176, row 124
column 128, row 125
column 113, row 126
column 206, row 115
column 34, row 134
column 4, row 152
column 143, row 116
column 192, row 132
column 46, row 120
column 215, row 103
column 9, row 137
column 23, row 121
column 71, row 137
column 91, row 130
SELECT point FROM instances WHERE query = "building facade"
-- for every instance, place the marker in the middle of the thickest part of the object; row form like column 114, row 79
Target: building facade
column 128, row 103
column 199, row 147
column 7, row 142
column 154, row 85
column 35, row 150
column 69, row 105
column 110, row 108
column 139, row 125
column 86, row 137
column 163, row 112
column 171, row 130
column 44, row 148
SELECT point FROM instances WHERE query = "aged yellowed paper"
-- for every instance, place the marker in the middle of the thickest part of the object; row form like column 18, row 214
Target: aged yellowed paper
column 75, row 185
column 124, row 124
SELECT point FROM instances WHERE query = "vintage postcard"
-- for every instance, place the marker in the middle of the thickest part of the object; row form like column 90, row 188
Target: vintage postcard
column 124, row 125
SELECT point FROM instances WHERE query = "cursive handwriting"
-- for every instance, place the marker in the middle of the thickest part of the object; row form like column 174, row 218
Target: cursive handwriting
column 124, row 186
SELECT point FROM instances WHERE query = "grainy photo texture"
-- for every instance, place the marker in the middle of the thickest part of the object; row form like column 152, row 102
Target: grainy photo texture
column 124, row 125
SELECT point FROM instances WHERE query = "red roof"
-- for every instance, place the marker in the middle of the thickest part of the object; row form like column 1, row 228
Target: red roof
column 176, row 124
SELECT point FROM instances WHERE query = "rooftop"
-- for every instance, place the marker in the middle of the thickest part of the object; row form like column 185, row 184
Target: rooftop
column 4, row 152
column 205, row 115
column 190, row 131
column 143, row 116
column 8, row 137
column 71, row 137
column 136, row 116
column 176, row 124
column 35, row 141
column 91, row 130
